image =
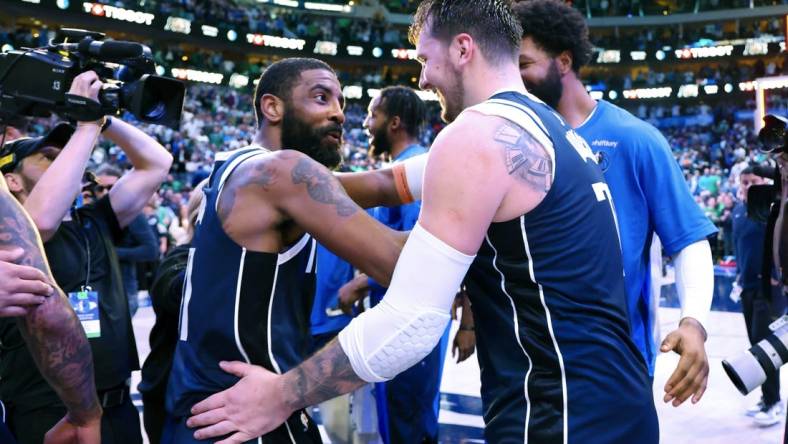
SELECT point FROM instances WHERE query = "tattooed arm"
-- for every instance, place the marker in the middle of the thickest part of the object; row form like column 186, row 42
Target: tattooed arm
column 295, row 188
column 53, row 333
column 21, row 287
column 457, row 209
column 262, row 401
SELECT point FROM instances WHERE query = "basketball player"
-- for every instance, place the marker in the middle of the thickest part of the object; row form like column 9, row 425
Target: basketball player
column 250, row 274
column 647, row 186
column 513, row 194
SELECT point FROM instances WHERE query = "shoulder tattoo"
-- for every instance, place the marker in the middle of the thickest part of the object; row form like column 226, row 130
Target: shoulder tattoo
column 323, row 187
column 525, row 158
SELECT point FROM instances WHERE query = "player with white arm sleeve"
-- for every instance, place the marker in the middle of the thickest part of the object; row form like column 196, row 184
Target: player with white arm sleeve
column 513, row 199
column 650, row 194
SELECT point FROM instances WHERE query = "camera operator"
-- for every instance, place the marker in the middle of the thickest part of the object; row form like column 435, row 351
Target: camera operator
column 749, row 236
column 780, row 244
column 45, row 175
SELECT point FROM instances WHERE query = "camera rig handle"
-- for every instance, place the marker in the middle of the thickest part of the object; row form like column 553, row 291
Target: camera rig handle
column 82, row 109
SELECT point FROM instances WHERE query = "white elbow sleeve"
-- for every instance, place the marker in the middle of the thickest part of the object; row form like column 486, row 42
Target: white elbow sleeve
column 695, row 280
column 407, row 324
column 409, row 177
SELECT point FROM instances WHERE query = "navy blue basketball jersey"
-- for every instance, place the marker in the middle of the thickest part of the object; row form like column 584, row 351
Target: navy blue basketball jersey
column 240, row 305
column 557, row 361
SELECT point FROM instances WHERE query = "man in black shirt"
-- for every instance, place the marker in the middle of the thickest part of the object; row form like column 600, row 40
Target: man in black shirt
column 45, row 176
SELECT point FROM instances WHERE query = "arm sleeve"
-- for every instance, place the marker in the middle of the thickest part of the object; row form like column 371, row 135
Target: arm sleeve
column 409, row 177
column 405, row 326
column 695, row 280
column 673, row 212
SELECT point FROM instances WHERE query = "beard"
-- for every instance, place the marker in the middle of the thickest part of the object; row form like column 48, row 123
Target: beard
column 380, row 143
column 451, row 100
column 550, row 89
column 314, row 142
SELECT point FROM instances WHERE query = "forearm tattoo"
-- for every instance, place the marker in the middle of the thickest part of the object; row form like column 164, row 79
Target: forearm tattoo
column 323, row 187
column 526, row 158
column 52, row 331
column 324, row 376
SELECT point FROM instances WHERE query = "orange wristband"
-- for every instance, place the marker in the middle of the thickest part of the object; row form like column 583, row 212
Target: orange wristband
column 401, row 184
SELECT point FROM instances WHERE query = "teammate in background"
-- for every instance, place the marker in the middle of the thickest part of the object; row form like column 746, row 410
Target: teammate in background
column 512, row 190
column 47, row 323
column 250, row 276
column 648, row 189
column 408, row 405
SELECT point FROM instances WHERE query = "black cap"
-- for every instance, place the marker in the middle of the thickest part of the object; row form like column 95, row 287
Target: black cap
column 13, row 152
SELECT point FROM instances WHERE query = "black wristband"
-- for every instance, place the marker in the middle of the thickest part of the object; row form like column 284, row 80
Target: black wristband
column 467, row 327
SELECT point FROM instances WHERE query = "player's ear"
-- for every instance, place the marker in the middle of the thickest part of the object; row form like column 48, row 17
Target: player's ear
column 564, row 61
column 463, row 48
column 395, row 123
column 272, row 108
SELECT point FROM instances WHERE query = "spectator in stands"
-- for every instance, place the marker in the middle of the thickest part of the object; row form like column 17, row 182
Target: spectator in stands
column 726, row 223
column 710, row 182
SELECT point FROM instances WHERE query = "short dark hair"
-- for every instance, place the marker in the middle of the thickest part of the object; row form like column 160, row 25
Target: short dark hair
column 109, row 170
column 491, row 23
column 279, row 79
column 556, row 27
column 403, row 102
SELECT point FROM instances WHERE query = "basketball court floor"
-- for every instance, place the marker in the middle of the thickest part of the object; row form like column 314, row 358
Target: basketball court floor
column 717, row 419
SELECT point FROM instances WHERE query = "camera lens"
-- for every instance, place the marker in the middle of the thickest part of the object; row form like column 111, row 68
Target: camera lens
column 153, row 110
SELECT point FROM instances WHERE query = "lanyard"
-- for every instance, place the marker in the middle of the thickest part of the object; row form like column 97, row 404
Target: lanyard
column 84, row 236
